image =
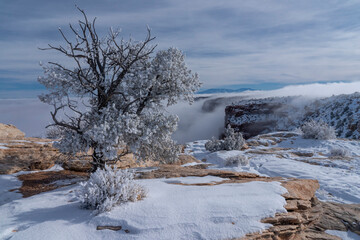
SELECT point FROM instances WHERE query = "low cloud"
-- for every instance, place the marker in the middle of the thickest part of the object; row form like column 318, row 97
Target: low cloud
column 196, row 122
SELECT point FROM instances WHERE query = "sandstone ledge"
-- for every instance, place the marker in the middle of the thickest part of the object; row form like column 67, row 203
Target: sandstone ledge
column 8, row 131
column 27, row 154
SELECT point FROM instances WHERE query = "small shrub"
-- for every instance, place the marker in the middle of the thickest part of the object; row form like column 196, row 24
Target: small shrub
column 214, row 145
column 318, row 130
column 109, row 187
column 339, row 152
column 232, row 141
column 237, row 161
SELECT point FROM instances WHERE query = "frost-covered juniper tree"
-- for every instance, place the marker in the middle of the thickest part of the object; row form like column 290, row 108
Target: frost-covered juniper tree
column 116, row 94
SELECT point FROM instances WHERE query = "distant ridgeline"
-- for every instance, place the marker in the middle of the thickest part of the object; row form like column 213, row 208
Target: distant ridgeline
column 223, row 90
column 258, row 116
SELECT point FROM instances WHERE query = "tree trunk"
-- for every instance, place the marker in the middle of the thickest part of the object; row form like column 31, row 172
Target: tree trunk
column 98, row 161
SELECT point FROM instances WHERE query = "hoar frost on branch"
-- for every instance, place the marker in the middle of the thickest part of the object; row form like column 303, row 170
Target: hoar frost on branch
column 116, row 95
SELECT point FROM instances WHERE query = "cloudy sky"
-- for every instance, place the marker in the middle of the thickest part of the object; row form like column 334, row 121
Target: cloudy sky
column 250, row 43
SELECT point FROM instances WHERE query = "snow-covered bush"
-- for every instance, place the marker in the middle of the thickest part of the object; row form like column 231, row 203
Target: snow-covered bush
column 339, row 152
column 109, row 187
column 238, row 160
column 232, row 141
column 214, row 145
column 317, row 130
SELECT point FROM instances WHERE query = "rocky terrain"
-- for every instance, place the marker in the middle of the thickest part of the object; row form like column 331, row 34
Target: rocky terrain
column 306, row 217
column 8, row 131
column 20, row 153
column 258, row 116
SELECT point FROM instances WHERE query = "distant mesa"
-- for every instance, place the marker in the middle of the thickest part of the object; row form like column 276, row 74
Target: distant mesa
column 260, row 116
column 224, row 90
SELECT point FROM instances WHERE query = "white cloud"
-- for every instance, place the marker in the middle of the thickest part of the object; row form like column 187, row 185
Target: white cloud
column 227, row 42
column 31, row 116
column 315, row 90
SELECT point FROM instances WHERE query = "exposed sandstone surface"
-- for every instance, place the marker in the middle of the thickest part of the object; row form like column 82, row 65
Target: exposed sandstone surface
column 8, row 131
column 35, row 183
column 27, row 154
column 126, row 161
column 307, row 217
column 173, row 171
column 20, row 153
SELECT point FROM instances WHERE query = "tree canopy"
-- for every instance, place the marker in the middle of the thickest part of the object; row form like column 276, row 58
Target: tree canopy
column 115, row 94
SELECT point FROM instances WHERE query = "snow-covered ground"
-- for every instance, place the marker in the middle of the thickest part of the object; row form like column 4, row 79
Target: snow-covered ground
column 339, row 178
column 7, row 185
column 170, row 211
column 344, row 235
column 175, row 211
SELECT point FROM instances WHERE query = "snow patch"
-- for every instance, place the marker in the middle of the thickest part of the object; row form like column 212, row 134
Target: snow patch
column 194, row 180
column 9, row 182
column 169, row 212
column 44, row 143
column 296, row 157
column 219, row 158
column 344, row 235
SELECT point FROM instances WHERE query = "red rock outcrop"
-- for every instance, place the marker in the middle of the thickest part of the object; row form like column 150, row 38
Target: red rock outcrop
column 18, row 153
column 8, row 131
column 307, row 217
column 27, row 154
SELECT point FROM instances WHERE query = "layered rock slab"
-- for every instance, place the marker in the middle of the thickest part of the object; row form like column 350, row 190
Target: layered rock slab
column 27, row 154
